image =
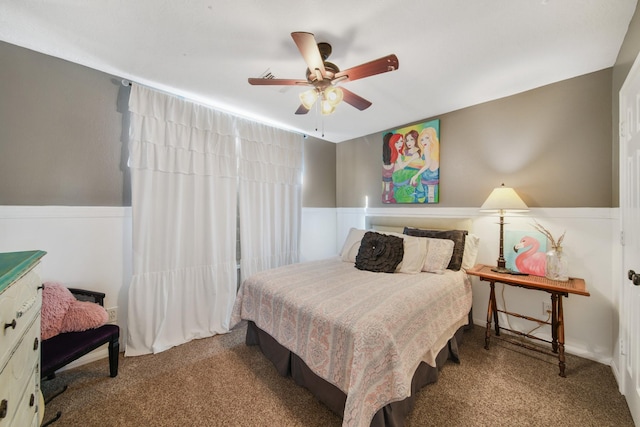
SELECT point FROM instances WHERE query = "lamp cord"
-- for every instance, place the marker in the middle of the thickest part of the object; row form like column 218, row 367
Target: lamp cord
column 504, row 304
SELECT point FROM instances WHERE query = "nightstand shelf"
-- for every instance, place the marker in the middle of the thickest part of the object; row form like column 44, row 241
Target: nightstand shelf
column 557, row 290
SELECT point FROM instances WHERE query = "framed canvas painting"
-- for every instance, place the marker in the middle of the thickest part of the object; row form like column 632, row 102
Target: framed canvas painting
column 411, row 164
column 525, row 251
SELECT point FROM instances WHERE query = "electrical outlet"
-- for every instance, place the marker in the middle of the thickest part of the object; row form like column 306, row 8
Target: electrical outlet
column 546, row 308
column 113, row 314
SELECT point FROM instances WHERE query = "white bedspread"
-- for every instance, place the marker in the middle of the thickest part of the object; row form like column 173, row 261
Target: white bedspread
column 364, row 332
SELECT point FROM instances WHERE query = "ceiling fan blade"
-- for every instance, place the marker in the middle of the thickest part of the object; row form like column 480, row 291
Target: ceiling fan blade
column 275, row 82
column 302, row 110
column 308, row 47
column 355, row 100
column 378, row 66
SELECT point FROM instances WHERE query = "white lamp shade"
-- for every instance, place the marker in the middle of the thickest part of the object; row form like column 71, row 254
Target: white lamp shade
column 326, row 108
column 333, row 95
column 504, row 199
column 308, row 98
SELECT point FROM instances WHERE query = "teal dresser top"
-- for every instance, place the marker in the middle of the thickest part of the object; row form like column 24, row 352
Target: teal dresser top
column 14, row 264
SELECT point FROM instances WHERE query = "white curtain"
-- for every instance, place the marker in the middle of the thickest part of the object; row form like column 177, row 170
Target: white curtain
column 184, row 189
column 269, row 197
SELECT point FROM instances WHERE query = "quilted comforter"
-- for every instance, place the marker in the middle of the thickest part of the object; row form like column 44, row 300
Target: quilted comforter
column 364, row 332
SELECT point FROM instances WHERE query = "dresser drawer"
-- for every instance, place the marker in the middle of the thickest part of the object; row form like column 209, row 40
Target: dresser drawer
column 20, row 377
column 19, row 304
column 26, row 412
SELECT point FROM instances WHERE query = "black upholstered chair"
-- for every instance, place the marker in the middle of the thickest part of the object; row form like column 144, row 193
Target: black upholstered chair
column 62, row 349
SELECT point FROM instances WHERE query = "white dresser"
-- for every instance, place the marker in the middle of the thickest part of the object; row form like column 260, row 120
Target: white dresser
column 20, row 303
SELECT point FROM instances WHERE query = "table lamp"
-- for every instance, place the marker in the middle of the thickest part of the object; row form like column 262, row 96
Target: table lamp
column 503, row 199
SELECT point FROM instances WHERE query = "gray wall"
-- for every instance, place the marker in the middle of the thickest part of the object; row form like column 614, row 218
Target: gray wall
column 60, row 133
column 552, row 144
column 558, row 145
column 319, row 184
column 63, row 137
column 61, row 141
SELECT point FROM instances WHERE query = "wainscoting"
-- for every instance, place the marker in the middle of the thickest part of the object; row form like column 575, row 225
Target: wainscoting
column 591, row 242
column 91, row 247
column 87, row 247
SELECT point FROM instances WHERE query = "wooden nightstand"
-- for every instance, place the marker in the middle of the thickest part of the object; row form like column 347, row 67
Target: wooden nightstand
column 555, row 288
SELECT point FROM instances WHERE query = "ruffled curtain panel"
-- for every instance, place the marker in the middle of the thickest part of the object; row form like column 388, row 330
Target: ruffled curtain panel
column 185, row 169
column 184, row 184
column 270, row 197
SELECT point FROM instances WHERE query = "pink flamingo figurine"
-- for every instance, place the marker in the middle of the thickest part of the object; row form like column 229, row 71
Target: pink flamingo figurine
column 531, row 261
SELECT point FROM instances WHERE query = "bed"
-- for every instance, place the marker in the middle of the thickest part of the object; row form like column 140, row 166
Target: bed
column 363, row 340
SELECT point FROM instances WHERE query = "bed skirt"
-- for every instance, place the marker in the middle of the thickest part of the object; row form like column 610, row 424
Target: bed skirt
column 392, row 415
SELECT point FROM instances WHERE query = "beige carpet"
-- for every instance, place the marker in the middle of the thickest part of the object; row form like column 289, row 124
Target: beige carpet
column 219, row 381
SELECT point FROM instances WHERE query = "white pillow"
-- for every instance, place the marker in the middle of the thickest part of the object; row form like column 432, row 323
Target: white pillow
column 352, row 245
column 471, row 246
column 439, row 252
column 415, row 252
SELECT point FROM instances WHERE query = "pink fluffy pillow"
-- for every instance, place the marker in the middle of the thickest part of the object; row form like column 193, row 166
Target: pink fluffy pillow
column 56, row 300
column 61, row 312
column 83, row 315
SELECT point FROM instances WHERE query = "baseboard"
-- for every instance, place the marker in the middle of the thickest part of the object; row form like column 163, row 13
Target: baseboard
column 617, row 375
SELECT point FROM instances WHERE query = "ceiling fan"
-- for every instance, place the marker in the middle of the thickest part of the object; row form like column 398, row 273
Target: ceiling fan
column 324, row 76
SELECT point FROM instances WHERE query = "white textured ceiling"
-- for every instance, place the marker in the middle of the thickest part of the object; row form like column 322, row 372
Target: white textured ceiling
column 452, row 53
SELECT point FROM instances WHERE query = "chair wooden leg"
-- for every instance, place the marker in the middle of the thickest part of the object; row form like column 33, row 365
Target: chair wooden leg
column 53, row 420
column 56, row 394
column 114, row 349
column 48, row 400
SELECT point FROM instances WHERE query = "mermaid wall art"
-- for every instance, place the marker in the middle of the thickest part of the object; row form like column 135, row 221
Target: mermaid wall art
column 411, row 164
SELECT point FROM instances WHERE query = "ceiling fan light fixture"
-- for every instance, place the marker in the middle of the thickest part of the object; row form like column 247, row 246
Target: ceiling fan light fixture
column 308, row 98
column 333, row 95
column 323, row 76
column 326, row 108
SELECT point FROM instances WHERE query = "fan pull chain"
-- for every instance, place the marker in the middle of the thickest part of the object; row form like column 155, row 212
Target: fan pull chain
column 316, row 106
column 317, row 114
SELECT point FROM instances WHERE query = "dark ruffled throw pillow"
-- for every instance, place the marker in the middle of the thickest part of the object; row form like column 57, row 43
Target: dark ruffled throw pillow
column 458, row 237
column 380, row 253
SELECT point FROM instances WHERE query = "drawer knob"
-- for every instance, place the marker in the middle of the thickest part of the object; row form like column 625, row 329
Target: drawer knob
column 36, row 343
column 11, row 325
column 3, row 408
